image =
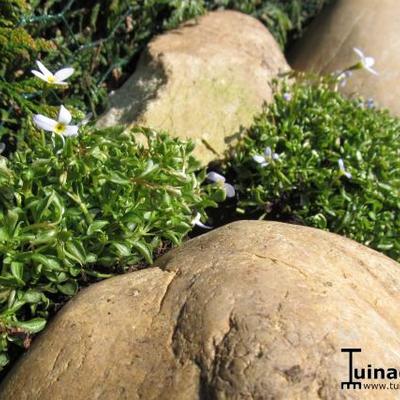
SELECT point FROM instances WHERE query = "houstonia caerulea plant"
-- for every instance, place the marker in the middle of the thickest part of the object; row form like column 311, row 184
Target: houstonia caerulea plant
column 79, row 204
column 364, row 63
column 336, row 164
column 58, row 78
column 60, row 126
column 220, row 181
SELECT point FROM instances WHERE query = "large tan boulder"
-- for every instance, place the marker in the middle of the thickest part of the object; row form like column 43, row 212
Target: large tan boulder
column 253, row 310
column 201, row 81
column 371, row 25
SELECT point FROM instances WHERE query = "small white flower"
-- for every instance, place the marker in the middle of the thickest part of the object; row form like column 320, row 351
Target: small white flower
column 366, row 62
column 287, row 96
column 343, row 77
column 57, row 78
column 343, row 169
column 196, row 221
column 219, row 179
column 266, row 158
column 60, row 127
column 370, row 103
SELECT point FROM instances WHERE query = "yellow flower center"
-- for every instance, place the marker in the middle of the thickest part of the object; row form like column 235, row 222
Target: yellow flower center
column 59, row 128
column 51, row 79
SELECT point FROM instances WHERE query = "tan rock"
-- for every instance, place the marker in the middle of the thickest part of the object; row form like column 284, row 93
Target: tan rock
column 253, row 310
column 201, row 81
column 370, row 25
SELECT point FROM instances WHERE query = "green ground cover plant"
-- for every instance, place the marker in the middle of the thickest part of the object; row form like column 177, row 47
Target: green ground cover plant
column 77, row 209
column 316, row 158
column 88, row 208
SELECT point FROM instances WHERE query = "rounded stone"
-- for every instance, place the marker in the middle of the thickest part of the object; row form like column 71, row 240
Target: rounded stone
column 253, row 310
column 202, row 81
column 370, row 25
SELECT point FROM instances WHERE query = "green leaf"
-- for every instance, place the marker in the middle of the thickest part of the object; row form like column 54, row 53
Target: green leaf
column 9, row 280
column 74, row 252
column 122, row 249
column 118, row 178
column 68, row 288
column 150, row 168
column 91, row 258
column 96, row 226
column 10, row 221
column 34, row 325
column 45, row 237
column 33, row 296
column 17, row 269
column 144, row 251
column 3, row 359
column 4, row 234
column 49, row 262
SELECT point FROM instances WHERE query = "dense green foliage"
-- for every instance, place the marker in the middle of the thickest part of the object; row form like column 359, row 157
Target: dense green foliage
column 102, row 202
column 88, row 208
column 311, row 127
column 102, row 41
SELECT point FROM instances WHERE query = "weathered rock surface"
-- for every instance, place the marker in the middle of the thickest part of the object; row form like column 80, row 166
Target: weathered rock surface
column 371, row 25
column 201, row 81
column 253, row 310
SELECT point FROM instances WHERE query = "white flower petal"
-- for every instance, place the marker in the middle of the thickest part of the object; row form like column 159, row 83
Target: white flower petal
column 275, row 156
column 201, row 225
column 63, row 74
column 259, row 159
column 215, row 177
column 64, row 116
column 343, row 169
column 369, row 62
column 45, row 123
column 196, row 221
column 39, row 75
column 44, row 70
column 287, row 96
column 71, row 130
column 341, row 76
column 359, row 52
column 268, row 152
column 370, row 103
column 230, row 190
column 2, row 147
column 369, row 69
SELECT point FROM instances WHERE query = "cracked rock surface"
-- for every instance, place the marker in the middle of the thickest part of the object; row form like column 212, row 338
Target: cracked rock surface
column 371, row 25
column 202, row 81
column 253, row 310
